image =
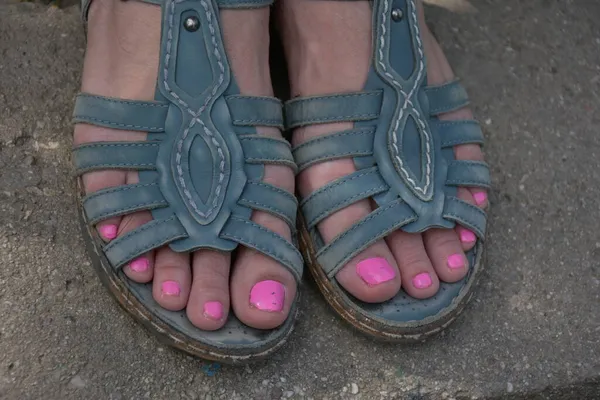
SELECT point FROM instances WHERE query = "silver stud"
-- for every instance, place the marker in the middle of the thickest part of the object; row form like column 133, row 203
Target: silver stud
column 191, row 24
column 397, row 14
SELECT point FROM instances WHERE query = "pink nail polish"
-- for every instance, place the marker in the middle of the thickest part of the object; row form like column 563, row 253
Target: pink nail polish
column 213, row 310
column 171, row 288
column 456, row 261
column 480, row 198
column 466, row 236
column 109, row 231
column 375, row 271
column 140, row 264
column 422, row 280
column 268, row 296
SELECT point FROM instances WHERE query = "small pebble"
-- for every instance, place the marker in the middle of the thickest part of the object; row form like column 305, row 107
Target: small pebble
column 77, row 382
column 509, row 387
column 354, row 388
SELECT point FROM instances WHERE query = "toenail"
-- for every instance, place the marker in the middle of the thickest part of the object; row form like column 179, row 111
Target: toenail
column 213, row 310
column 140, row 264
column 109, row 231
column 268, row 296
column 466, row 236
column 480, row 198
column 422, row 281
column 171, row 288
column 375, row 271
column 456, row 261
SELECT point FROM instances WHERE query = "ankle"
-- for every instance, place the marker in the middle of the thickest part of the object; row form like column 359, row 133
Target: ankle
column 327, row 44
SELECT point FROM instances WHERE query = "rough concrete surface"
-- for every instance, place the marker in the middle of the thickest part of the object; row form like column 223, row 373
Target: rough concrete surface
column 533, row 332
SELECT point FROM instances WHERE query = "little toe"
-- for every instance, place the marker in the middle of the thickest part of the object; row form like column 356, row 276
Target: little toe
column 172, row 277
column 208, row 303
column 466, row 236
column 418, row 275
column 446, row 254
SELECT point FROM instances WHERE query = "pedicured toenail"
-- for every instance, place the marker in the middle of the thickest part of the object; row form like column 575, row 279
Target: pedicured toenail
column 466, row 236
column 140, row 264
column 456, row 261
column 268, row 296
column 171, row 288
column 109, row 231
column 213, row 310
column 375, row 271
column 422, row 281
column 480, row 198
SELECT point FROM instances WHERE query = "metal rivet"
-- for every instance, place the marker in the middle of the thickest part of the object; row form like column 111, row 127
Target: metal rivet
column 191, row 24
column 397, row 14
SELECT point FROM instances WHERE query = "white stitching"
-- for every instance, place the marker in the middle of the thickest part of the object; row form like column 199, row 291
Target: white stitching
column 407, row 98
column 197, row 114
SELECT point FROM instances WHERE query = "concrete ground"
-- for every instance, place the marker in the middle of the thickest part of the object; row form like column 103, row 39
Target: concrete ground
column 533, row 332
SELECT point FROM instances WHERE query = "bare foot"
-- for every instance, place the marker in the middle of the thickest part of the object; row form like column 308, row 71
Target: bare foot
column 328, row 48
column 122, row 61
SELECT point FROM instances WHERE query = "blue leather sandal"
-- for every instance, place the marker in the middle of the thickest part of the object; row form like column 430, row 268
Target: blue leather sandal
column 200, row 173
column 405, row 164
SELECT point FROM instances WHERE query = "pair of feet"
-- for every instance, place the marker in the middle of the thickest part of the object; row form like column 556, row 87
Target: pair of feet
column 328, row 49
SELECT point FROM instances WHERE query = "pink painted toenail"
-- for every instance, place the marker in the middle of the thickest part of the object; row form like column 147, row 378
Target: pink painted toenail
column 480, row 198
column 375, row 271
column 466, row 236
column 171, row 288
column 422, row 281
column 140, row 264
column 109, row 231
column 456, row 261
column 213, row 310
column 268, row 296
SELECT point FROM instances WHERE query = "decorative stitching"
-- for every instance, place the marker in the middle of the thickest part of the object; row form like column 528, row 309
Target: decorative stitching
column 360, row 131
column 274, row 188
column 139, row 103
column 341, row 204
column 336, row 183
column 117, row 189
column 263, row 249
column 149, row 205
column 142, row 249
column 83, row 118
column 407, row 98
column 333, row 156
column 108, row 144
column 196, row 115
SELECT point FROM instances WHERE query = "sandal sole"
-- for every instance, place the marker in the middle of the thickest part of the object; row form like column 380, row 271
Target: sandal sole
column 410, row 332
column 165, row 333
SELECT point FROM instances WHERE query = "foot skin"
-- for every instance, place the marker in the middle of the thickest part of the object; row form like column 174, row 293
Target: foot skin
column 122, row 61
column 328, row 49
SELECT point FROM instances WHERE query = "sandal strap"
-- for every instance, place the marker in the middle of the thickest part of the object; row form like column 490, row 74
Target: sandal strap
column 455, row 133
column 343, row 107
column 447, row 97
column 350, row 143
column 149, row 236
column 365, row 232
column 131, row 115
column 121, row 200
column 468, row 173
column 256, row 111
column 271, row 244
column 341, row 193
column 466, row 214
column 267, row 150
column 266, row 197
column 115, row 155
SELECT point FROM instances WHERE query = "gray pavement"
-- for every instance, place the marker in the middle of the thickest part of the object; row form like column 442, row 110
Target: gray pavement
column 533, row 332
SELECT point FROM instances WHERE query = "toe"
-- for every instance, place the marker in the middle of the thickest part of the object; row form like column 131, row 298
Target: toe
column 262, row 290
column 172, row 277
column 446, row 254
column 208, row 303
column 418, row 275
column 466, row 236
